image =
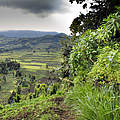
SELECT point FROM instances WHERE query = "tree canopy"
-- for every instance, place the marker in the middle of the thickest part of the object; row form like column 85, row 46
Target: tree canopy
column 98, row 9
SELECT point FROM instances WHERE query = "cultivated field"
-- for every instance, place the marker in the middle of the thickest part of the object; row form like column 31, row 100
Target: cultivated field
column 36, row 63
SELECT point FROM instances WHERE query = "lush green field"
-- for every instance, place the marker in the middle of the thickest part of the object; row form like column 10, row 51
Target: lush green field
column 35, row 63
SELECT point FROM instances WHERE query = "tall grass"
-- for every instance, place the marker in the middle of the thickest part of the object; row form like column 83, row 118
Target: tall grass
column 94, row 104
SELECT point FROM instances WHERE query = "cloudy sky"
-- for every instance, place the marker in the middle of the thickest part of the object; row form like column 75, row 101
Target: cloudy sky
column 42, row 15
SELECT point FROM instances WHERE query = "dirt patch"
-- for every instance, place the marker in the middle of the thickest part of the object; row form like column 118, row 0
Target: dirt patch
column 62, row 110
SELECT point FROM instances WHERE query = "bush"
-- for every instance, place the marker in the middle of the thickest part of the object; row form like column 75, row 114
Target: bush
column 107, row 67
column 83, row 54
column 88, row 46
column 54, row 88
column 1, row 107
column 95, row 60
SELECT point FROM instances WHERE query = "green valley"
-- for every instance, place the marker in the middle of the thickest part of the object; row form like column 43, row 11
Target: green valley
column 53, row 76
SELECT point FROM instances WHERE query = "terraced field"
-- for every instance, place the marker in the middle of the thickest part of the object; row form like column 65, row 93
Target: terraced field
column 35, row 63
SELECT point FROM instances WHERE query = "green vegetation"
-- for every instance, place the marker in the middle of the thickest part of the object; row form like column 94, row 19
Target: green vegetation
column 93, row 104
column 94, row 68
column 45, row 43
column 85, row 87
column 38, row 108
column 36, row 63
column 31, row 87
column 98, row 10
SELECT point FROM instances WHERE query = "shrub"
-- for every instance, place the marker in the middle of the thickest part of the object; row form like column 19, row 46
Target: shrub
column 1, row 107
column 107, row 67
column 83, row 54
column 92, row 44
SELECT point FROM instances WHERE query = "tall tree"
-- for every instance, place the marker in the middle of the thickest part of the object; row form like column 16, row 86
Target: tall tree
column 98, row 9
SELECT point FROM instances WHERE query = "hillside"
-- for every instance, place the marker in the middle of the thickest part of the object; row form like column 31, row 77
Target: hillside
column 25, row 33
column 44, row 42
column 77, row 80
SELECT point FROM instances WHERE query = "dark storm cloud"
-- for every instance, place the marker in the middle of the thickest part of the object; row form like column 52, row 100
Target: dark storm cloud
column 41, row 7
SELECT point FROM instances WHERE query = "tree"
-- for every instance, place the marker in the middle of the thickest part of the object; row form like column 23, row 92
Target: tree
column 98, row 10
column 65, row 50
column 4, row 78
column 18, row 89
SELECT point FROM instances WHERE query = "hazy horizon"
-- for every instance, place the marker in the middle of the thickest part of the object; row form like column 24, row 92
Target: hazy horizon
column 52, row 16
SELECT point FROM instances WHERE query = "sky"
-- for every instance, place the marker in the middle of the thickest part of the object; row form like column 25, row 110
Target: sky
column 39, row 15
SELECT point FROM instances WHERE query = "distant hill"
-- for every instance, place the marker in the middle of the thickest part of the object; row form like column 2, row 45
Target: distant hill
column 44, row 42
column 25, row 33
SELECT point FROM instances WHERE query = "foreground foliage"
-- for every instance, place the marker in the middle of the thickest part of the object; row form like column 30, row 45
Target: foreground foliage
column 99, row 47
column 38, row 108
column 94, row 104
column 95, row 71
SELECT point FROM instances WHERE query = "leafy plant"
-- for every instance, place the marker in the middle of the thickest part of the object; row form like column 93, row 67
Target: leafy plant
column 88, row 46
column 94, row 61
column 109, row 30
column 1, row 107
column 107, row 66
column 93, row 104
column 83, row 54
